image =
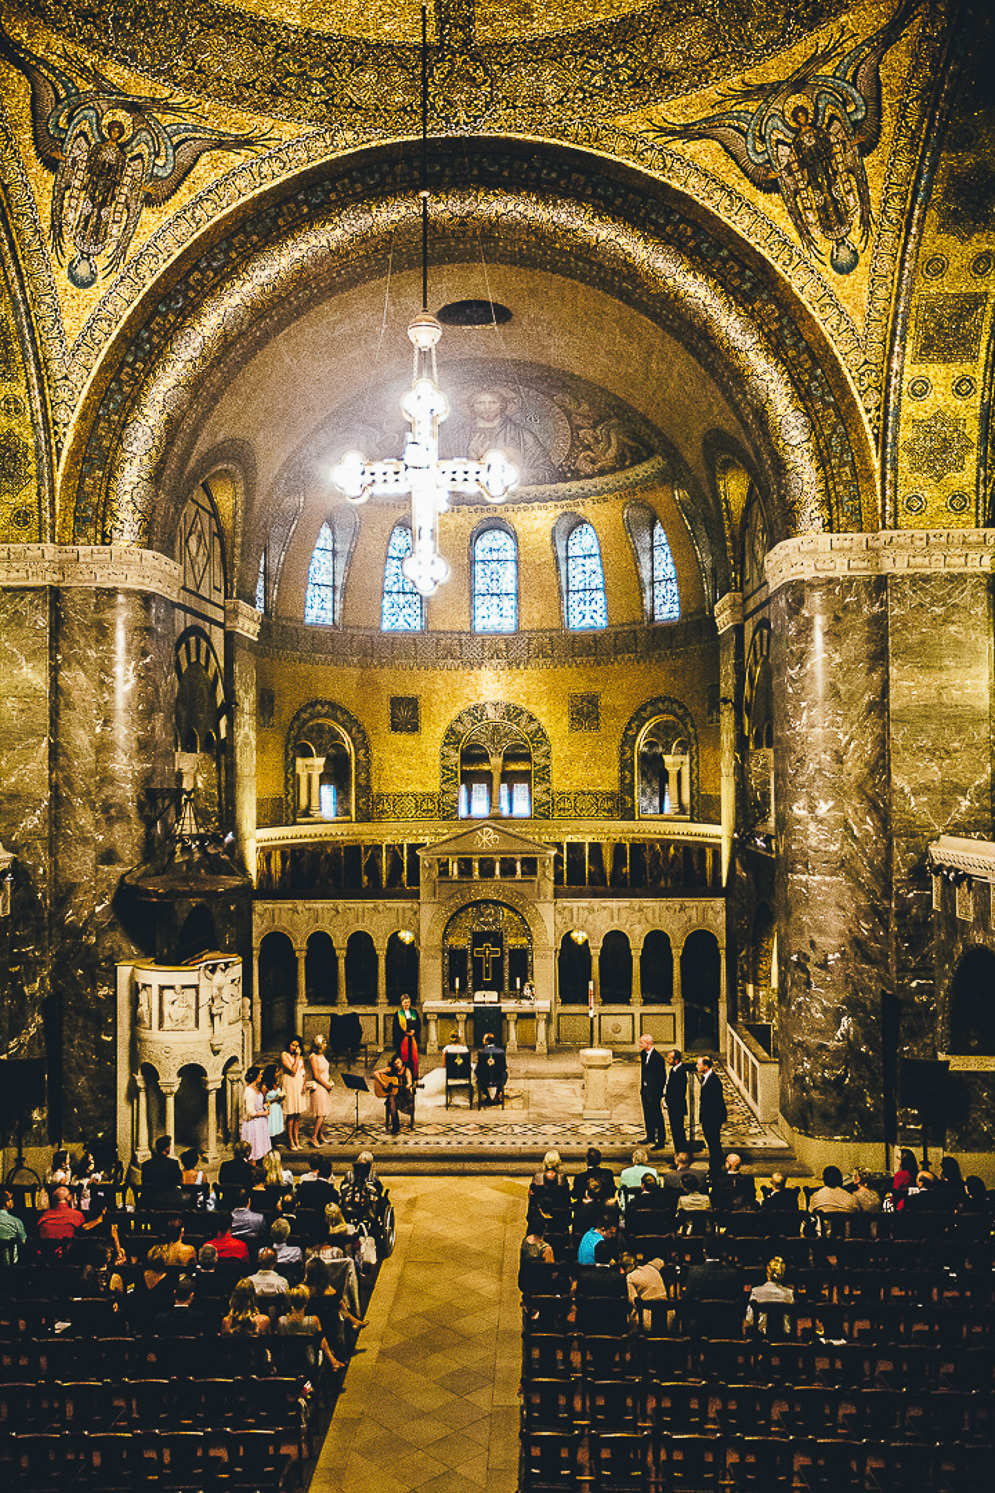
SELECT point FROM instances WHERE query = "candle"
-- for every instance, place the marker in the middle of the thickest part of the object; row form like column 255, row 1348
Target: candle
column 518, row 982
column 457, row 984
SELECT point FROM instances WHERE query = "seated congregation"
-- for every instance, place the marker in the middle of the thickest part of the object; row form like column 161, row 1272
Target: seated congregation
column 189, row 1336
column 693, row 1334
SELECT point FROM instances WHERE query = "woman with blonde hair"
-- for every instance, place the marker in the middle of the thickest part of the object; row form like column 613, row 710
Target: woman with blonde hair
column 320, row 1087
column 274, row 1172
column 300, row 1323
column 243, row 1318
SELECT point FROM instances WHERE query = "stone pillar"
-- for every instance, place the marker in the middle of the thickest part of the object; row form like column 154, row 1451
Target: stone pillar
column 212, row 1085
column 257, row 1003
column 383, row 1013
column 723, row 998
column 301, row 1001
column 829, row 654
column 432, row 1045
column 595, row 1063
column 512, row 1031
column 242, row 629
column 143, row 1125
column 541, row 1040
column 169, row 1087
column 729, row 622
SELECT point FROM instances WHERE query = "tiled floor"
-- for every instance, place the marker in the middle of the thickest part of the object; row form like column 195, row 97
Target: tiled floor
column 543, row 1108
column 432, row 1400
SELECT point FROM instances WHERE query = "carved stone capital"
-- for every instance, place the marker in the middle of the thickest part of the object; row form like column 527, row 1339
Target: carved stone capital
column 114, row 566
column 976, row 857
column 889, row 552
column 728, row 610
column 243, row 619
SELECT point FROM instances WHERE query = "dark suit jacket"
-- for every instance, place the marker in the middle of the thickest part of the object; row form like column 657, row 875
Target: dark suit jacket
column 711, row 1103
column 675, row 1090
column 235, row 1173
column 161, row 1179
column 604, row 1175
column 652, row 1073
column 713, row 1281
column 785, row 1201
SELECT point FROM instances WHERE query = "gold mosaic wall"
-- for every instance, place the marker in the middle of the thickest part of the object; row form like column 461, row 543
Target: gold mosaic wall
column 21, row 492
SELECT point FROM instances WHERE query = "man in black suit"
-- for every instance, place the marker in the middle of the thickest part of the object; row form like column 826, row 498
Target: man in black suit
column 183, row 1319
column 675, row 1097
column 651, row 1077
column 161, row 1174
column 712, row 1113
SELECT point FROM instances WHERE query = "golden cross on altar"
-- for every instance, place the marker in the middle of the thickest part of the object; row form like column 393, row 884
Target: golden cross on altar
column 487, row 952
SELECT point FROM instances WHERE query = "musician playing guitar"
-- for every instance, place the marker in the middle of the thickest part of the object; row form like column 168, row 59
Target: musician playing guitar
column 395, row 1085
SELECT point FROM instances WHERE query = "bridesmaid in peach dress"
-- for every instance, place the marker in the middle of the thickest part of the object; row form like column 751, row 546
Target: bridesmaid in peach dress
column 321, row 1093
column 294, row 1075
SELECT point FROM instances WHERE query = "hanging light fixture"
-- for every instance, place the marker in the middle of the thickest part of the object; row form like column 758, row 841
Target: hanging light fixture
column 419, row 471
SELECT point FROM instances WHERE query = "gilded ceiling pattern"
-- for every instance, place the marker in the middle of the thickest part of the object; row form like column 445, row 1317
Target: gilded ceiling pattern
column 21, row 518
column 598, row 73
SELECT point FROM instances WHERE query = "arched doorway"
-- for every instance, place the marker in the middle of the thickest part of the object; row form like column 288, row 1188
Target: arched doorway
column 656, row 969
column 615, row 969
column 277, row 988
column 700, row 984
column 401, row 968
column 190, row 1109
column 361, row 970
column 321, row 970
column 972, row 1003
column 573, row 968
column 492, row 943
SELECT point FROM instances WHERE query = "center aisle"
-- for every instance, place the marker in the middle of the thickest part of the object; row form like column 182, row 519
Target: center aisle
column 432, row 1402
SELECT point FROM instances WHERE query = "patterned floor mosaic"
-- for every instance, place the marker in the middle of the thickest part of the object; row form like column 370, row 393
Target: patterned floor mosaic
column 542, row 1110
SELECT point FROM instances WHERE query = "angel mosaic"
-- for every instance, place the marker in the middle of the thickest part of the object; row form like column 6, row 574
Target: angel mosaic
column 112, row 153
column 806, row 136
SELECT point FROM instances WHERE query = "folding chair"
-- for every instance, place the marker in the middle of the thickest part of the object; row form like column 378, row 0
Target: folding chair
column 548, row 1461
column 548, row 1404
column 619, row 1460
column 459, row 1075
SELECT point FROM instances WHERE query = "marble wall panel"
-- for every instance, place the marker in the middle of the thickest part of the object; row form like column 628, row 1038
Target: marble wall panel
column 114, row 739
column 25, row 627
column 940, row 703
column 829, row 658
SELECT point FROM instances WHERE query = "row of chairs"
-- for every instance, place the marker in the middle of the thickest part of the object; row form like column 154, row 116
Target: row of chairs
column 176, row 1404
column 241, row 1461
column 735, row 1361
column 620, row 1461
column 713, row 1408
column 64, row 1358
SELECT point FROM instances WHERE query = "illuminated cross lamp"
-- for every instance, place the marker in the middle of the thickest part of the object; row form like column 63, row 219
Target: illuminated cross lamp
column 419, row 471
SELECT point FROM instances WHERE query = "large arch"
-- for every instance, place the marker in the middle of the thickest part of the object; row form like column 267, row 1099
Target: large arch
column 329, row 227
column 660, row 706
column 513, row 715
column 329, row 710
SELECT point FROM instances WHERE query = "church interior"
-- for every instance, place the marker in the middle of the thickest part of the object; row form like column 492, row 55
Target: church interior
column 500, row 512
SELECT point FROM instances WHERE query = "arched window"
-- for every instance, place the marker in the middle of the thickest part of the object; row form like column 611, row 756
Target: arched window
column 666, row 597
column 403, row 609
column 319, row 603
column 261, row 584
column 495, row 581
column 585, row 579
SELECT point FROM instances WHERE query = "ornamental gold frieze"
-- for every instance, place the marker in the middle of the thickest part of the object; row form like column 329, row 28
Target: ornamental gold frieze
column 478, row 71
column 344, row 648
column 642, row 248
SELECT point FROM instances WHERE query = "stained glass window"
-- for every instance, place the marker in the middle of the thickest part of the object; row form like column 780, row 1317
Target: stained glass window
column 327, row 799
column 480, row 801
column 261, row 584
column 666, row 597
column 495, row 582
column 319, row 604
column 586, row 604
column 403, row 609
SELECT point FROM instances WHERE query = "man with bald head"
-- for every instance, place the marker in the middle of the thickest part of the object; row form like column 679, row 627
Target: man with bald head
column 651, row 1081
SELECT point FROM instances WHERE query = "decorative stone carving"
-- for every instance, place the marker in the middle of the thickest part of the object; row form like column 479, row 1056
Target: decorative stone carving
column 905, row 551
column 117, row 566
column 178, row 1016
column 728, row 611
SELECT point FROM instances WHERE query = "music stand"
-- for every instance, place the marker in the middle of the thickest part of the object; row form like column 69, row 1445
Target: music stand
column 358, row 1084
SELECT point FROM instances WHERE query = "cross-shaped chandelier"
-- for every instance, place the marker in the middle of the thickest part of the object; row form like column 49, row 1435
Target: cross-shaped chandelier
column 419, row 471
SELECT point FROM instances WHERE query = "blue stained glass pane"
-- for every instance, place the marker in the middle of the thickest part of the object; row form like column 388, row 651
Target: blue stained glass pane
column 464, row 801
column 261, row 584
column 504, row 799
column 586, row 603
column 480, row 801
column 319, row 603
column 666, row 597
column 521, row 806
column 403, row 609
column 495, row 582
column 326, row 800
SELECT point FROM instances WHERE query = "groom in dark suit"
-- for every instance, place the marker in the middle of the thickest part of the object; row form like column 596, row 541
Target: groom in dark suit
column 651, row 1078
column 675, row 1097
column 711, row 1112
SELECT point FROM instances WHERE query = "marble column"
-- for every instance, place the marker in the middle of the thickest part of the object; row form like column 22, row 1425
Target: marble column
column 940, row 701
column 242, row 655
column 829, row 656
column 114, row 690
column 300, row 1003
column 212, row 1085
